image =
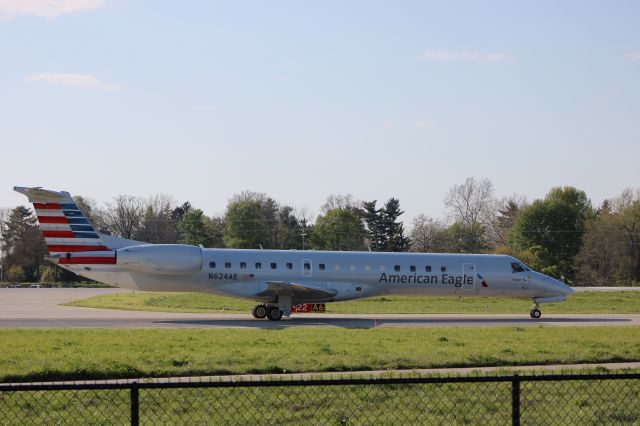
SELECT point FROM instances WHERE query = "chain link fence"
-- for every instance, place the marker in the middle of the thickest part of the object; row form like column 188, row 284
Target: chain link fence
column 599, row 399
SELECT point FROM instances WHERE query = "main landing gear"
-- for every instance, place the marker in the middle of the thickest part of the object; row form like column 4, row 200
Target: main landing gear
column 535, row 312
column 267, row 311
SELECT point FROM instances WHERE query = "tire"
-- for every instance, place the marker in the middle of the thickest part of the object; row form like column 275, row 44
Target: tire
column 274, row 314
column 535, row 313
column 259, row 312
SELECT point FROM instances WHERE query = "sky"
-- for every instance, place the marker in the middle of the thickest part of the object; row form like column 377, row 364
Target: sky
column 301, row 99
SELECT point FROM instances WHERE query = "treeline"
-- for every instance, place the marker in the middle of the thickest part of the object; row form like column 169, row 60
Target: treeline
column 562, row 235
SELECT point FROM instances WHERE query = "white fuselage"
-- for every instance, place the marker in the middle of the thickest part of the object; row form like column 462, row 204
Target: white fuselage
column 334, row 276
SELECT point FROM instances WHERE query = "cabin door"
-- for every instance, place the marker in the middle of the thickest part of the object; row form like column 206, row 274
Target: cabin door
column 307, row 267
column 468, row 276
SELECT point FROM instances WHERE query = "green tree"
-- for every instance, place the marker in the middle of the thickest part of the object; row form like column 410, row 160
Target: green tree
column 16, row 273
column 194, row 229
column 552, row 229
column 467, row 238
column 23, row 244
column 338, row 229
column 276, row 227
column 47, row 274
column 245, row 227
column 604, row 256
column 376, row 232
column 384, row 231
column 630, row 223
column 394, row 228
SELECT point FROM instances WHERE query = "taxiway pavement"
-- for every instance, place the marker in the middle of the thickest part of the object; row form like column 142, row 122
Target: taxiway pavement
column 40, row 308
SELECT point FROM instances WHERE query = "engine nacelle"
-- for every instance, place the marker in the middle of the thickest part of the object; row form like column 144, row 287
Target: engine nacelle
column 167, row 259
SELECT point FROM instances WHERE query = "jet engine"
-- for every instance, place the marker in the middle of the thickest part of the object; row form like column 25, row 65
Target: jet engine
column 166, row 259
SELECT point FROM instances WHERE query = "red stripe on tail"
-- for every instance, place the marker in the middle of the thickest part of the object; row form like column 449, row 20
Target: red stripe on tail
column 52, row 219
column 58, row 234
column 46, row 206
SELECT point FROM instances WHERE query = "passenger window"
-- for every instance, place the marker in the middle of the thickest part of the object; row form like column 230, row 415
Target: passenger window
column 307, row 266
column 396, row 268
column 337, row 267
column 352, row 267
column 443, row 269
column 289, row 265
column 321, row 266
column 227, row 265
column 258, row 265
column 367, row 267
column 412, row 268
column 382, row 268
column 516, row 267
column 212, row 265
column 427, row 268
column 243, row 265
column 274, row 265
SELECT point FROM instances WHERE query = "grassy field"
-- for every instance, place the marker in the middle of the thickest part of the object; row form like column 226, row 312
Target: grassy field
column 27, row 355
column 583, row 302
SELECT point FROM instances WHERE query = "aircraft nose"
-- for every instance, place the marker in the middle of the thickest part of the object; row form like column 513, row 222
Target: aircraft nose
column 562, row 288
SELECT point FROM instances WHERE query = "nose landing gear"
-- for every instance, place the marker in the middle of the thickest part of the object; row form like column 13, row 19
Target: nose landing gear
column 535, row 312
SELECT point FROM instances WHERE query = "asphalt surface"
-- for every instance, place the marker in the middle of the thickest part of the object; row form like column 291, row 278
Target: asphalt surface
column 40, row 308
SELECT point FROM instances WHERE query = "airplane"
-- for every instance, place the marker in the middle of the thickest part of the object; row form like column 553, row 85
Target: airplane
column 279, row 280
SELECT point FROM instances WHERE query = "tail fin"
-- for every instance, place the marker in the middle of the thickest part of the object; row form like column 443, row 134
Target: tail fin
column 64, row 227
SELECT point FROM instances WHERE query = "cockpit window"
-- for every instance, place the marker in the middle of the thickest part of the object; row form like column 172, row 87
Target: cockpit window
column 517, row 267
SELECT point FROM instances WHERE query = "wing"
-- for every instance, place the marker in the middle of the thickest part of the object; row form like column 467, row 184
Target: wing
column 299, row 292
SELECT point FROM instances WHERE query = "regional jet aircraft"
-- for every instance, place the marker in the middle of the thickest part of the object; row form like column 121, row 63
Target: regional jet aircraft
column 281, row 281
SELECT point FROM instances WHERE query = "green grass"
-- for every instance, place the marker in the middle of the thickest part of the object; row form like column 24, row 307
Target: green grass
column 583, row 302
column 34, row 354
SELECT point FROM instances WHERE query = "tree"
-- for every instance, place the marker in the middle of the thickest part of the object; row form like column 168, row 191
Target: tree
column 47, row 274
column 552, row 229
column 507, row 210
column 384, row 231
column 467, row 238
column 376, row 232
column 158, row 225
column 396, row 240
column 341, row 201
column 23, row 244
column 194, row 229
column 216, row 227
column 244, row 225
column 630, row 224
column 16, row 273
column 428, row 235
column 180, row 211
column 604, row 256
column 274, row 226
column 472, row 202
column 124, row 216
column 338, row 229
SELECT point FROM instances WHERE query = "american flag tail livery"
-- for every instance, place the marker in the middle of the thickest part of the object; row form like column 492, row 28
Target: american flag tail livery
column 70, row 238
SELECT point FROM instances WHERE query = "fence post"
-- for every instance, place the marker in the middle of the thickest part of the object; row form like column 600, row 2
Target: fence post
column 515, row 400
column 135, row 404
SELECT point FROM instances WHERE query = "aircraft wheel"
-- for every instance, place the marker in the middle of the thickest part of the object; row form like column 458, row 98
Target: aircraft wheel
column 535, row 313
column 274, row 314
column 259, row 312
